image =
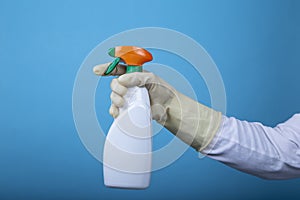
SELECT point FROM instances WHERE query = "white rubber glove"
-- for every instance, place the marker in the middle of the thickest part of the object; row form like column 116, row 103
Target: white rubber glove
column 192, row 122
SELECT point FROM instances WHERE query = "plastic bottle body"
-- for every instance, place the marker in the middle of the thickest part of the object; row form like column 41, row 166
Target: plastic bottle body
column 128, row 147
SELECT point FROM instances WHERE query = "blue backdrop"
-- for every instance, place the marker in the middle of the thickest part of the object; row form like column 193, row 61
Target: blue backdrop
column 255, row 44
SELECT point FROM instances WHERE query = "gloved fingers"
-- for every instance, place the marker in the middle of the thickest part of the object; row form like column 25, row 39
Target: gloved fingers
column 114, row 111
column 136, row 79
column 117, row 87
column 101, row 69
column 116, row 99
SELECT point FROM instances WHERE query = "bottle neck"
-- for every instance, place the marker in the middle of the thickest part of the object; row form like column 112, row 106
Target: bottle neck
column 131, row 68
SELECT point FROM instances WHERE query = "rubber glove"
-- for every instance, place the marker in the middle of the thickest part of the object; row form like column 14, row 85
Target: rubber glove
column 192, row 122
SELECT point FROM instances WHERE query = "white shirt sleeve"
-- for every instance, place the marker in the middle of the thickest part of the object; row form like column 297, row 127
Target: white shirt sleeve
column 270, row 153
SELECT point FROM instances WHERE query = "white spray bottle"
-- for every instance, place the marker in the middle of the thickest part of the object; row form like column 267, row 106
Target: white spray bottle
column 128, row 147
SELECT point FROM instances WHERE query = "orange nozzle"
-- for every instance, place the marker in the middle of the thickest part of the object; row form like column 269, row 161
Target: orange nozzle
column 131, row 55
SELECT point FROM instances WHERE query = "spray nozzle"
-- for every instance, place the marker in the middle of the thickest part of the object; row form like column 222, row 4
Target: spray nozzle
column 133, row 57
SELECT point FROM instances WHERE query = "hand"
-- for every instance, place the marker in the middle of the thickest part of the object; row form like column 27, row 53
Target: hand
column 189, row 120
column 160, row 92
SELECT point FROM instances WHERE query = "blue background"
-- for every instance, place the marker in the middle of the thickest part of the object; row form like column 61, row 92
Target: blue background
column 255, row 44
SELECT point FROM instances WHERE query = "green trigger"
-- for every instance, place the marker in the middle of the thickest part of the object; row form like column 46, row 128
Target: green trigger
column 112, row 66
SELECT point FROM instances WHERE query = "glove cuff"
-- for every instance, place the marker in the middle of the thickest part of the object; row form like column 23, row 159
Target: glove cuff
column 191, row 121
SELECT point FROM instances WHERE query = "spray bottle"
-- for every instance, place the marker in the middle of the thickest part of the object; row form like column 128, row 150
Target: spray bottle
column 127, row 150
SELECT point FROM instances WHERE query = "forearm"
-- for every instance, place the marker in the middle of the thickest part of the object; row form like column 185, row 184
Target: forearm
column 192, row 122
column 271, row 153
